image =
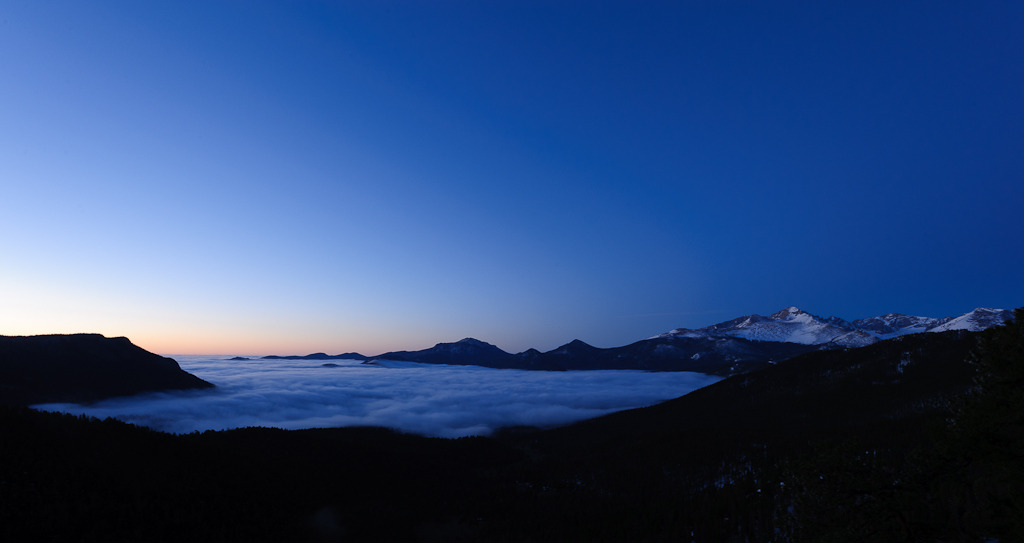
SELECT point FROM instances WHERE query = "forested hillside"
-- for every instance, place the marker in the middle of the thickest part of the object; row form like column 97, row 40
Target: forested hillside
column 913, row 439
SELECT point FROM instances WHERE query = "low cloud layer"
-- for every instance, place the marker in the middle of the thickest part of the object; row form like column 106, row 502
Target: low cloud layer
column 432, row 400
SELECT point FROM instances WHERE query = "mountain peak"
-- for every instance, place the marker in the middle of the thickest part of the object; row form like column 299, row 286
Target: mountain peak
column 465, row 351
column 574, row 346
column 787, row 313
column 464, row 342
column 979, row 319
column 794, row 325
column 472, row 341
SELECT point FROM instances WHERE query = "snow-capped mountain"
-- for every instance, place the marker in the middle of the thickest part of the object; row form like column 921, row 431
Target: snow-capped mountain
column 896, row 324
column 792, row 325
column 975, row 321
column 728, row 348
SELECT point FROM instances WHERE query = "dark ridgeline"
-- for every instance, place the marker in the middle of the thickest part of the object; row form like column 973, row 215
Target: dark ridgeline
column 83, row 368
column 463, row 352
column 715, row 356
column 902, row 440
column 728, row 348
column 314, row 356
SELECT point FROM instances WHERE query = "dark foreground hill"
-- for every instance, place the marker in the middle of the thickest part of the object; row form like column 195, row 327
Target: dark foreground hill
column 82, row 368
column 893, row 442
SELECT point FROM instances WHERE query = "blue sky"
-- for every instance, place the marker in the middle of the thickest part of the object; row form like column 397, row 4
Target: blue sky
column 270, row 177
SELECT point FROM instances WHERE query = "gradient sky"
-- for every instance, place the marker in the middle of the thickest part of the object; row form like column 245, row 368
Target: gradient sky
column 291, row 177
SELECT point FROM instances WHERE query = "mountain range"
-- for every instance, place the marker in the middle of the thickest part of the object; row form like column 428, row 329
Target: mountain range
column 914, row 438
column 792, row 325
column 735, row 346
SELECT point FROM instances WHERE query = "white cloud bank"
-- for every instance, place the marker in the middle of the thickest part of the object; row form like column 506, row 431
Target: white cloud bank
column 432, row 400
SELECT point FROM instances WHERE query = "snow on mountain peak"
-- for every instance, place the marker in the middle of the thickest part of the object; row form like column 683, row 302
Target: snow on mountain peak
column 788, row 312
column 793, row 325
column 977, row 320
column 790, row 325
column 855, row 338
column 891, row 325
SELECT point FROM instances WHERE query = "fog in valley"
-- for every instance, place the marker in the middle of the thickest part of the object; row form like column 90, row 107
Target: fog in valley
column 425, row 399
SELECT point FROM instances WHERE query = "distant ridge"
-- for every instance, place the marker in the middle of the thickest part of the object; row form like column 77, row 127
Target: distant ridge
column 314, row 356
column 735, row 346
column 834, row 442
column 794, row 325
column 462, row 352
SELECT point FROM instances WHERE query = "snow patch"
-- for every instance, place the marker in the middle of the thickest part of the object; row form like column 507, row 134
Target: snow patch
column 793, row 325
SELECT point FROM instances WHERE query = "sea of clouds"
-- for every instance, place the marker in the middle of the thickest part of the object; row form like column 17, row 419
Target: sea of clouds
column 425, row 399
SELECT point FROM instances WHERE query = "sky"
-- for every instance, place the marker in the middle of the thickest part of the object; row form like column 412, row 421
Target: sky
column 254, row 177
column 424, row 399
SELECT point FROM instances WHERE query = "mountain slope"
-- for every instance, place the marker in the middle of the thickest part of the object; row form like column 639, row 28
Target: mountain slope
column 735, row 346
column 792, row 325
column 716, row 356
column 824, row 389
column 975, row 321
column 895, row 324
column 83, row 368
column 467, row 351
column 841, row 445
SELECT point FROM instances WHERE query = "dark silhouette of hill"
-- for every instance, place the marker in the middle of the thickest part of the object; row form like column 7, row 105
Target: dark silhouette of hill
column 728, row 348
column 718, row 356
column 913, row 439
column 315, row 356
column 731, row 454
column 83, row 368
column 462, row 352
column 821, row 390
